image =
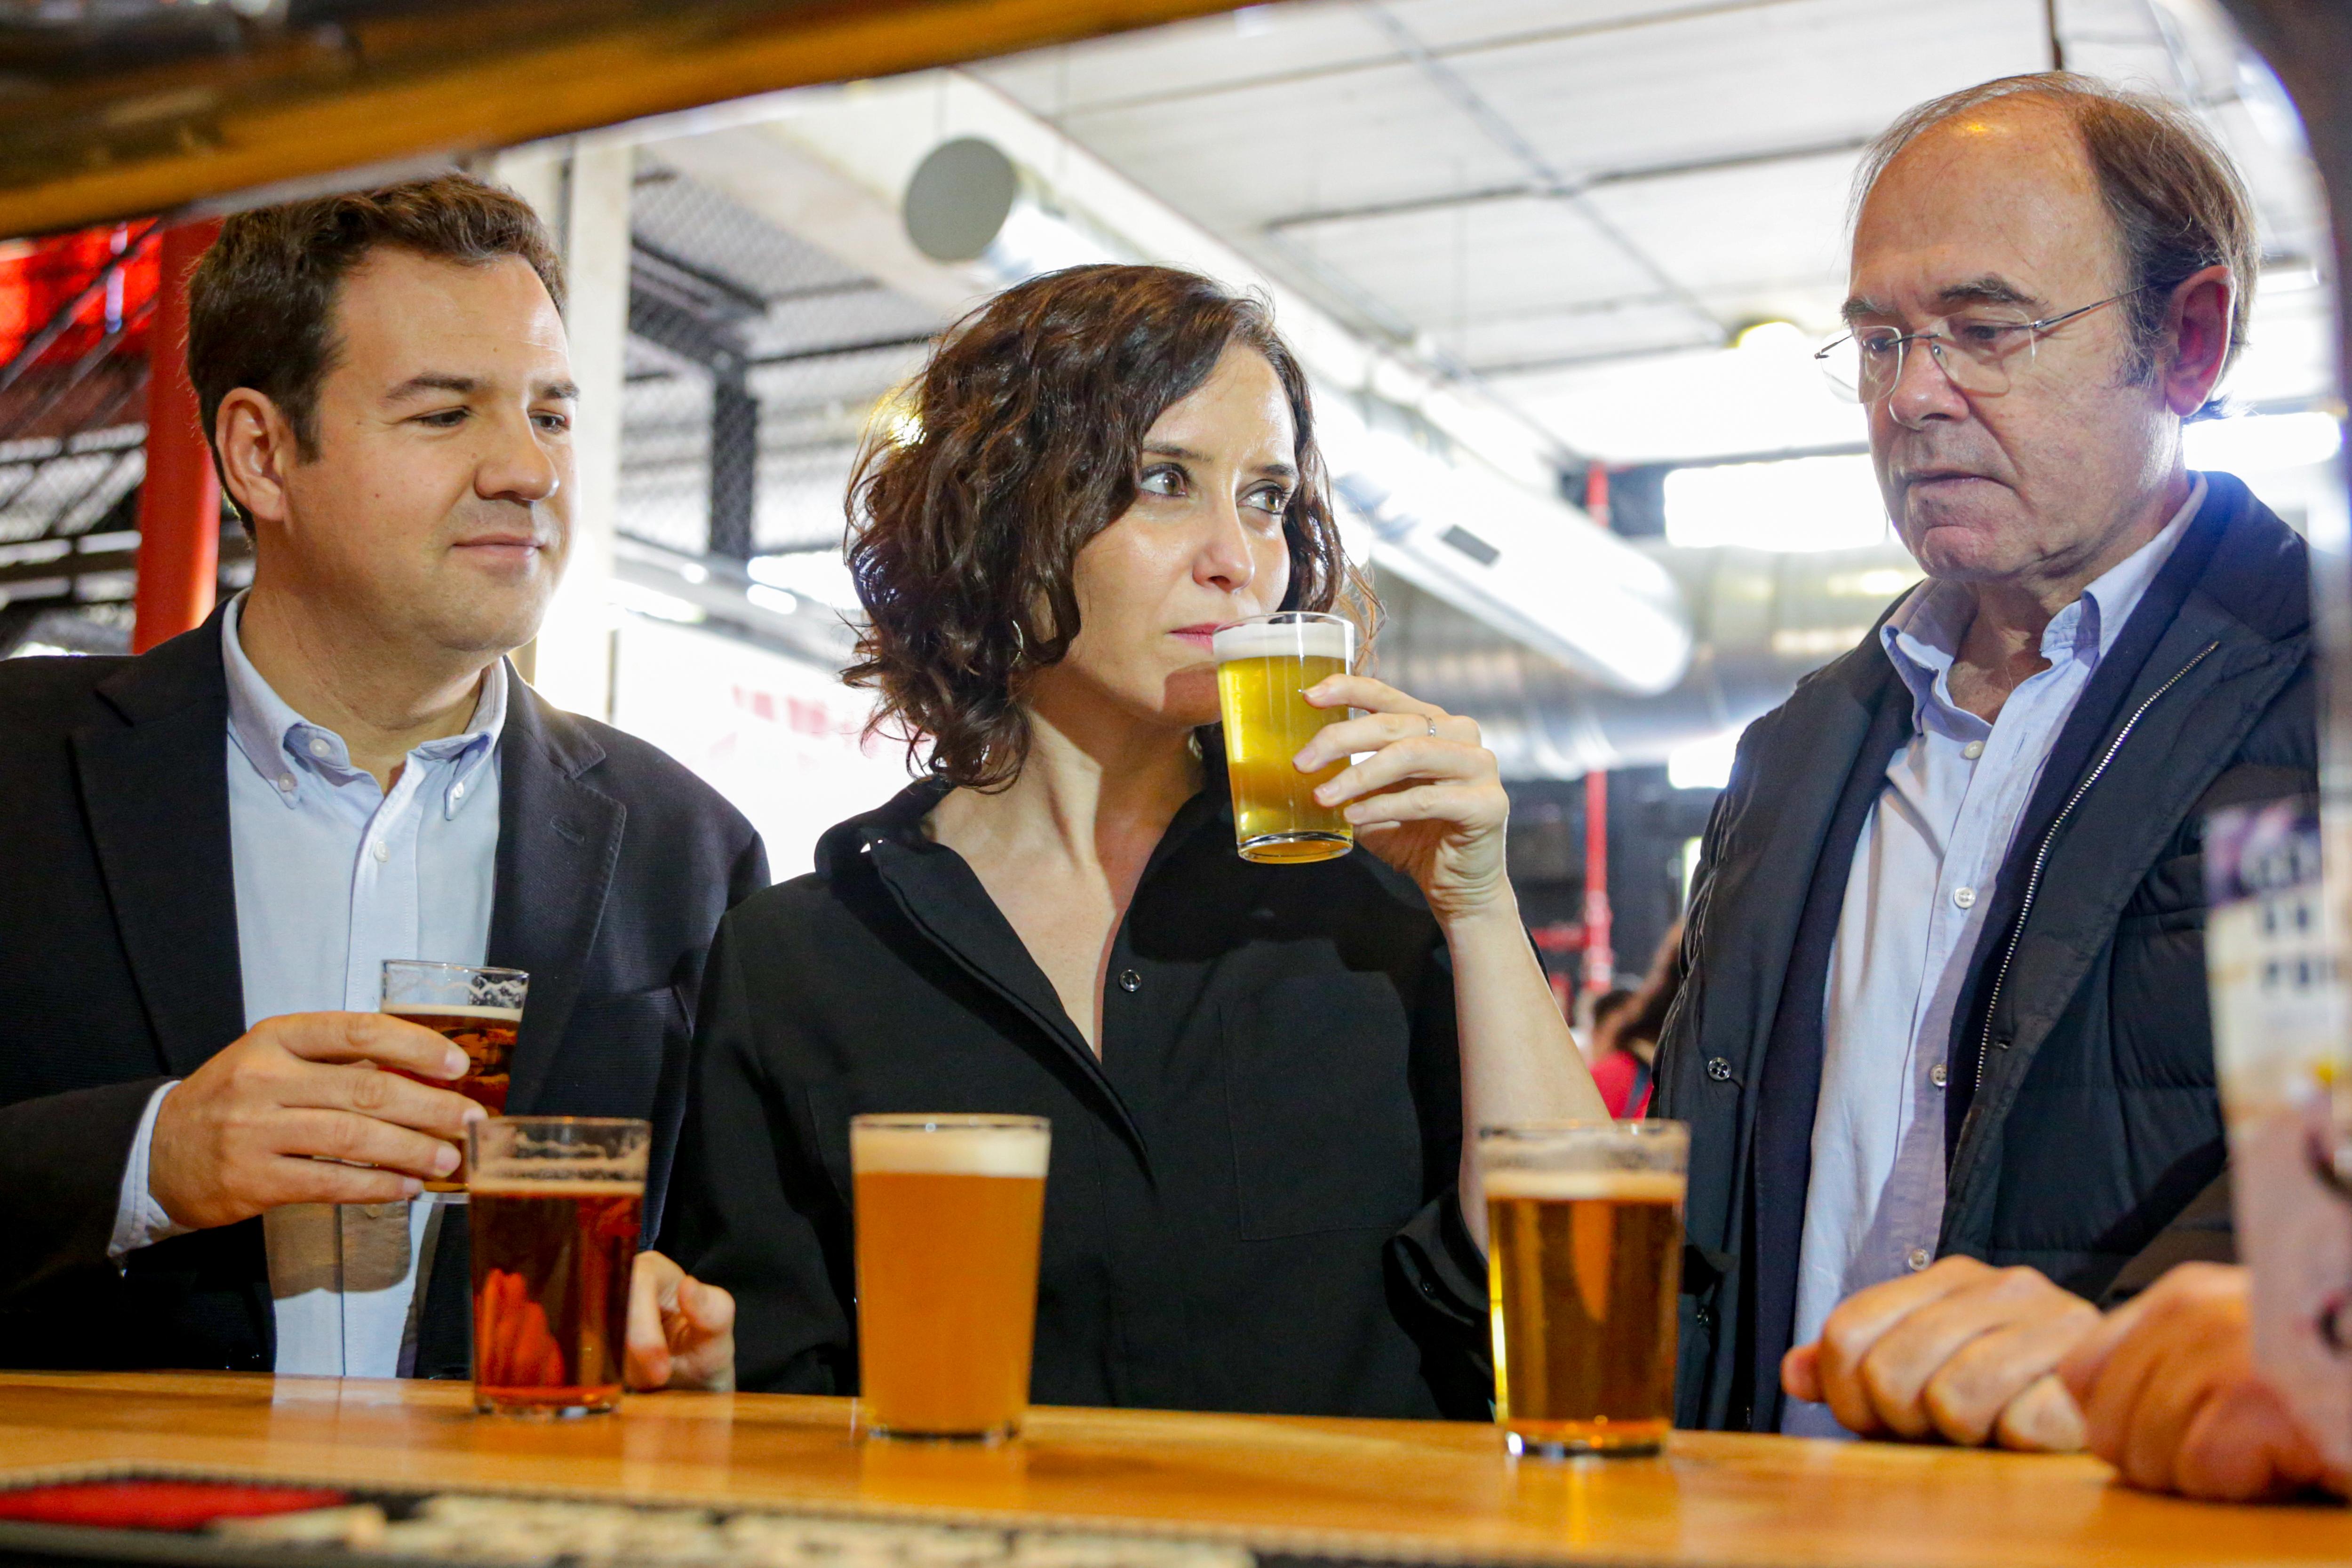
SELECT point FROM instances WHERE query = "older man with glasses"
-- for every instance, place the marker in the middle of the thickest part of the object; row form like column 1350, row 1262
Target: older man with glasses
column 1945, row 1047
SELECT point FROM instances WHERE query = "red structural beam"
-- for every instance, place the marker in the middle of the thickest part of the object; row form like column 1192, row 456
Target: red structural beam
column 179, row 502
column 1599, row 959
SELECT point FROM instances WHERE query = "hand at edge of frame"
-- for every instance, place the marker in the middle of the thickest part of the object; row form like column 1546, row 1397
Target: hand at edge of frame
column 2173, row 1400
column 681, row 1330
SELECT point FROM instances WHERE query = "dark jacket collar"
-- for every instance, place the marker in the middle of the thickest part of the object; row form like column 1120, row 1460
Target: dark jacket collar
column 938, row 892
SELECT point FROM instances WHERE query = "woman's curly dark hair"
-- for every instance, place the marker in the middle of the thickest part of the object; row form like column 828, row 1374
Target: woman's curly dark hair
column 1027, row 430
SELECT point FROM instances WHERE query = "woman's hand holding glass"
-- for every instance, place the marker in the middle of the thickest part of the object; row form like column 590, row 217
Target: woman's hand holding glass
column 1428, row 799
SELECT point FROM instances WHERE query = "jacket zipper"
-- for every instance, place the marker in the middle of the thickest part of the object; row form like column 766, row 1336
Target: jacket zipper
column 2042, row 855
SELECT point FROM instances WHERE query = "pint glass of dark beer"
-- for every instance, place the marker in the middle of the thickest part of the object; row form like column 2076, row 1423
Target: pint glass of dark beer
column 1263, row 665
column 1584, row 1251
column 949, row 1214
column 556, row 1202
column 478, row 1010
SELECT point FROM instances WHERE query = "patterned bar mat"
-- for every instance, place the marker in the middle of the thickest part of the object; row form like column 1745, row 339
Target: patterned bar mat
column 149, row 1516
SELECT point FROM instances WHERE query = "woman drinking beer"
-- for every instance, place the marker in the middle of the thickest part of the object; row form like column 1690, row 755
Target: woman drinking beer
column 1258, row 1076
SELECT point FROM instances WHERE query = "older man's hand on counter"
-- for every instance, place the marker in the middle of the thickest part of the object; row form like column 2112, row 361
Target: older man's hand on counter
column 1960, row 1350
column 681, row 1330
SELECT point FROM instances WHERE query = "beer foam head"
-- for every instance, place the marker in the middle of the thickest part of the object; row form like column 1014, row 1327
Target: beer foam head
column 1624, row 1187
column 1320, row 639
column 949, row 1146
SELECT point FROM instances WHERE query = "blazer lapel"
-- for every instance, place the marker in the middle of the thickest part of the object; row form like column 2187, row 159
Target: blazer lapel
column 558, row 840
column 155, row 791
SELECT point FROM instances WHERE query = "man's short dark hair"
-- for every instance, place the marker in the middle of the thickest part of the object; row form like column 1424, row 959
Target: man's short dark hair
column 261, row 303
column 2177, row 205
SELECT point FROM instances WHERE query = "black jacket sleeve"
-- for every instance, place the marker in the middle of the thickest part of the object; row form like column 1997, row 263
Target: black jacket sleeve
column 62, row 1162
column 2204, row 1232
column 750, row 1208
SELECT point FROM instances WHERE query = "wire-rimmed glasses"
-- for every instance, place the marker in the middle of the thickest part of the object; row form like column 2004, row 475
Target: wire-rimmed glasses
column 1978, row 350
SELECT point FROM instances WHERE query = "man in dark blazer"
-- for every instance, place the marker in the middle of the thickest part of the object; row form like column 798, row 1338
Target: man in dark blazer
column 208, row 849
column 1944, row 1049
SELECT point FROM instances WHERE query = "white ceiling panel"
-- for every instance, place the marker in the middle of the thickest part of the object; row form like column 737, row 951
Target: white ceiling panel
column 1807, row 73
column 1446, row 25
column 1303, row 39
column 1503, row 344
column 1238, row 158
column 1476, row 260
column 1745, row 226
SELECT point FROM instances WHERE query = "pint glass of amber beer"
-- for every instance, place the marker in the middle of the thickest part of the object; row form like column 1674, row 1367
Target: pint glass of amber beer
column 1263, row 665
column 478, row 1010
column 556, row 1202
column 948, row 1212
column 1584, row 1253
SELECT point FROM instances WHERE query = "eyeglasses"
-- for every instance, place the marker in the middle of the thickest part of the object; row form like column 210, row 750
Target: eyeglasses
column 1978, row 352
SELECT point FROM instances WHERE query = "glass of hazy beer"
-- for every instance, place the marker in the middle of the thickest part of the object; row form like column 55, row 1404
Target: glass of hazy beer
column 1263, row 665
column 949, row 1213
column 1584, row 1256
column 556, row 1202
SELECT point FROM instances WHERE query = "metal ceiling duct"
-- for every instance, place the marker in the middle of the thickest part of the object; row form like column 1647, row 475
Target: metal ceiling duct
column 1762, row 619
column 146, row 106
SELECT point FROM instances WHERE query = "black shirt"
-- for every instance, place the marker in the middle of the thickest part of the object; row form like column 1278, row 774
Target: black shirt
column 1250, row 1201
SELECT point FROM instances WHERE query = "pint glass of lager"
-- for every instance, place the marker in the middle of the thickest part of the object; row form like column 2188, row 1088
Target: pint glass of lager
column 1263, row 665
column 478, row 1010
column 949, row 1211
column 1584, row 1260
column 556, row 1202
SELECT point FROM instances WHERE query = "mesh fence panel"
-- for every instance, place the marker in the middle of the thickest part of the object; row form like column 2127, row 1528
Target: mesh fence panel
column 755, row 361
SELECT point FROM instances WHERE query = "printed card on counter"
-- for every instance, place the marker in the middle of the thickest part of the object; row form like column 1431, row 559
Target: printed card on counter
column 2279, row 1045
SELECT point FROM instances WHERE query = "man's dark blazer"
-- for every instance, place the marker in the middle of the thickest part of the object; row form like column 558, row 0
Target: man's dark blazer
column 2082, row 1119
column 118, row 969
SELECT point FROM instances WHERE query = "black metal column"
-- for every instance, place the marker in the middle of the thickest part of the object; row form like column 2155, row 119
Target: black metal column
column 734, row 460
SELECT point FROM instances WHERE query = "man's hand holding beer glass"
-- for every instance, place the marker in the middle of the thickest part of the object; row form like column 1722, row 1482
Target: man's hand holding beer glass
column 298, row 1109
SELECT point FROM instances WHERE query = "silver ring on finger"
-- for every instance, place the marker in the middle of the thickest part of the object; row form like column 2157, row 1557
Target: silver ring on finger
column 1433, row 729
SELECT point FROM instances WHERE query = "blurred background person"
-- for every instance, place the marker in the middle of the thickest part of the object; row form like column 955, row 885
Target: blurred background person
column 1948, row 989
column 1259, row 1076
column 1622, row 1072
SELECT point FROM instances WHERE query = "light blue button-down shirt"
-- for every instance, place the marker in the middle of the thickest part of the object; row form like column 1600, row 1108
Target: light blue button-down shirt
column 335, row 874
column 1923, row 876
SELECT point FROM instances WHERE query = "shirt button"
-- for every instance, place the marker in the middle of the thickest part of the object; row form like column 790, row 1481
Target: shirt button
column 456, row 791
column 1973, row 750
column 383, row 851
column 1718, row 1069
column 1919, row 1259
column 1129, row 980
column 319, row 746
column 286, row 783
column 1940, row 1075
column 1965, row 897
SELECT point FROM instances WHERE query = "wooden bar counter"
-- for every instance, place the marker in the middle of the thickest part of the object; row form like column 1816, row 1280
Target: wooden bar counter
column 1379, row 1489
